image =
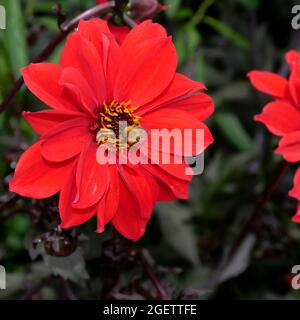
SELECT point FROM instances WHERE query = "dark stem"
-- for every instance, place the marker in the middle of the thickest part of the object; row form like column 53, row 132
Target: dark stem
column 130, row 22
column 156, row 282
column 259, row 209
column 68, row 291
column 34, row 289
column 10, row 202
column 64, row 30
column 10, row 214
column 249, row 226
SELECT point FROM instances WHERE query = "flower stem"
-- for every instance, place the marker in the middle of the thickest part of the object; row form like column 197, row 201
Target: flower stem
column 249, row 226
column 156, row 282
column 259, row 209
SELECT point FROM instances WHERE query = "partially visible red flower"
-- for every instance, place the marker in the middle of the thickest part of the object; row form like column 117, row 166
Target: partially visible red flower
column 97, row 84
column 282, row 116
column 140, row 10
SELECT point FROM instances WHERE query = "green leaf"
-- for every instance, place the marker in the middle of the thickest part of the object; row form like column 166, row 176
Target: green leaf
column 48, row 22
column 177, row 230
column 233, row 91
column 71, row 267
column 183, row 14
column 240, row 261
column 15, row 36
column 174, row 6
column 200, row 67
column 227, row 32
column 4, row 74
column 19, row 224
column 186, row 41
column 234, row 131
column 200, row 13
column 250, row 3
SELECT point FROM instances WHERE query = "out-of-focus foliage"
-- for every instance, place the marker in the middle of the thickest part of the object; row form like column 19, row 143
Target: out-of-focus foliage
column 199, row 248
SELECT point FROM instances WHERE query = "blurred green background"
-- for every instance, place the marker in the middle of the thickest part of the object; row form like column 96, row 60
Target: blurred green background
column 203, row 248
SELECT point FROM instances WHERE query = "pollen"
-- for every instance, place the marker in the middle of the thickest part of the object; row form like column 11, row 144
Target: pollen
column 114, row 123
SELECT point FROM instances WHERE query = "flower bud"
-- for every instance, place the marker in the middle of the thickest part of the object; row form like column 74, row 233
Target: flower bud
column 144, row 9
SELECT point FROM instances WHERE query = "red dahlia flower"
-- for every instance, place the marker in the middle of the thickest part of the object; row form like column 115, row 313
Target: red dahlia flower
column 282, row 116
column 98, row 83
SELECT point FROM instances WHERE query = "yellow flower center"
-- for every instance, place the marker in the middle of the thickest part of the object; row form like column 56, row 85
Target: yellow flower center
column 114, row 123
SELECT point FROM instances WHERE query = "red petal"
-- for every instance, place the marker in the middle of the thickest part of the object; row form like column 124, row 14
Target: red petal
column 172, row 178
column 92, row 178
column 178, row 89
column 42, row 80
column 119, row 32
column 173, row 119
column 295, row 191
column 177, row 168
column 109, row 204
column 37, row 178
column 42, row 121
column 168, row 178
column 128, row 219
column 289, row 147
column 168, row 118
column 294, row 83
column 165, row 194
column 199, row 105
column 91, row 30
column 111, row 61
column 65, row 140
column 146, row 71
column 70, row 216
column 83, row 55
column 296, row 217
column 269, row 83
column 280, row 118
column 78, row 87
column 142, row 187
column 144, row 31
column 292, row 56
column 97, row 32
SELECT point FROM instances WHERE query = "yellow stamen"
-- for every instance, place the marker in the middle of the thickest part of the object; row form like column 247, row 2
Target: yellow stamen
column 107, row 125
